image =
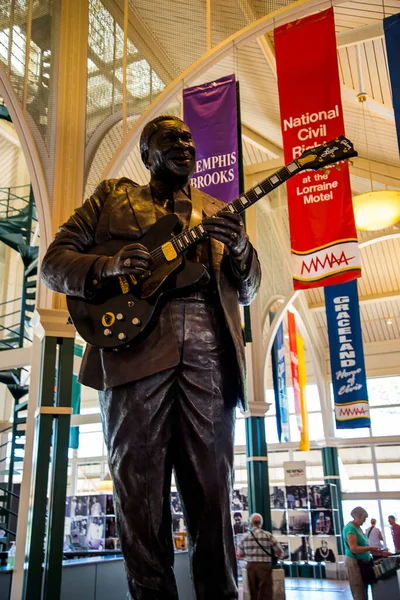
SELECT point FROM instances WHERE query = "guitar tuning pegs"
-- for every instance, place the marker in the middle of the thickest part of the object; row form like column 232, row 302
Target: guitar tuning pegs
column 325, row 170
column 337, row 167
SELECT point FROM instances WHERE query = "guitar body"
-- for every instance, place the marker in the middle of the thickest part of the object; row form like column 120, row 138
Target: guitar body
column 114, row 320
column 125, row 310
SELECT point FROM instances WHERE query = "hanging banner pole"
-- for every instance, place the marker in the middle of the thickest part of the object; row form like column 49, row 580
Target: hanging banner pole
column 324, row 244
column 347, row 356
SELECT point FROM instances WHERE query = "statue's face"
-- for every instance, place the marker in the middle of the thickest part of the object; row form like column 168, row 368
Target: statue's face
column 172, row 153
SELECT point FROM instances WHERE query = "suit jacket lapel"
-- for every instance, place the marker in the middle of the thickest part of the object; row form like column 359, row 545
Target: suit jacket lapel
column 141, row 202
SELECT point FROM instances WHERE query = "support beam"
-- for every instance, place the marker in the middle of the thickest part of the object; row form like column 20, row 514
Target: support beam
column 366, row 33
column 260, row 141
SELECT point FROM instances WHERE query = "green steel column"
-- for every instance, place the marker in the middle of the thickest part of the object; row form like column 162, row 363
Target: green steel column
column 59, row 473
column 257, row 466
column 40, row 475
column 53, row 416
column 330, row 465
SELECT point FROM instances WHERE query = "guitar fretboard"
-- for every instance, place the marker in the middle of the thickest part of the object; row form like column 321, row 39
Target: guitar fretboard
column 189, row 237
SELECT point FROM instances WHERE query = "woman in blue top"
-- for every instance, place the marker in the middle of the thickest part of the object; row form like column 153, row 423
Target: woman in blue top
column 357, row 550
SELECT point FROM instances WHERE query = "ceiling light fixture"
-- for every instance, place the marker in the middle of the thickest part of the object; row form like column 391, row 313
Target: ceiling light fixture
column 377, row 209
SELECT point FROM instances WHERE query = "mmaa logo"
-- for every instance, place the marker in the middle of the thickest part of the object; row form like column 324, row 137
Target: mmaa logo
column 356, row 411
column 330, row 260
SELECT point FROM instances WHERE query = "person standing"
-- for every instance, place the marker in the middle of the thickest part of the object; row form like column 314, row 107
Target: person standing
column 169, row 402
column 374, row 535
column 358, row 554
column 395, row 532
column 257, row 548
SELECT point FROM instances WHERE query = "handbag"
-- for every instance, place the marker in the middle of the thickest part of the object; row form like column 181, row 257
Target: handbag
column 367, row 571
column 274, row 558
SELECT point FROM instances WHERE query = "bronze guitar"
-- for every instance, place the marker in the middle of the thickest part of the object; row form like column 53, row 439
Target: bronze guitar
column 127, row 306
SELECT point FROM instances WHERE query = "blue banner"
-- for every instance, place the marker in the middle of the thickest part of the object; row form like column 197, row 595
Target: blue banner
column 391, row 26
column 347, row 356
column 279, row 379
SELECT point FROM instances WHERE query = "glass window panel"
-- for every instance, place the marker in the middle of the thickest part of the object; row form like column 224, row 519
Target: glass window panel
column 240, row 432
column 312, row 395
column 391, row 484
column 371, row 506
column 270, row 398
column 390, row 507
column 90, row 444
column 294, row 430
column 352, row 433
column 315, row 426
column 271, row 432
column 384, row 453
column 385, row 421
column 384, row 391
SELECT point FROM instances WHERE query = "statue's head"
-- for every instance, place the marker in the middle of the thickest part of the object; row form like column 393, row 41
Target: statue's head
column 167, row 149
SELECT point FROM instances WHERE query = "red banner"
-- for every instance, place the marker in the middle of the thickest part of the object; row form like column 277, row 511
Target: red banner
column 324, row 242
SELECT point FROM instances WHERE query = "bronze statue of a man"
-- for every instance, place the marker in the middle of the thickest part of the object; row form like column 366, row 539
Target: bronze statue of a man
column 168, row 403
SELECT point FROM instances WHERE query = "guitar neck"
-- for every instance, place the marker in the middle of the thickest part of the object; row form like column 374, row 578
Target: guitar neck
column 190, row 237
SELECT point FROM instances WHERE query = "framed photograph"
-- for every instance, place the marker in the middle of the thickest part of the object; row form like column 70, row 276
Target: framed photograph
column 320, row 496
column 109, row 504
column 284, row 543
column 277, row 497
column 278, row 522
column 81, row 506
column 111, row 534
column 78, row 533
column 300, row 548
column 296, row 496
column 322, row 522
column 298, row 522
column 240, row 522
column 239, row 500
column 325, row 549
column 97, row 505
column 95, row 533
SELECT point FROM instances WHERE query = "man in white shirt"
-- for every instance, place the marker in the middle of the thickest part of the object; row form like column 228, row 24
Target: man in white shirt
column 257, row 548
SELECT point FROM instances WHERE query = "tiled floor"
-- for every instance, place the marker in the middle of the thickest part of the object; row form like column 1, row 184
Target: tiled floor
column 316, row 589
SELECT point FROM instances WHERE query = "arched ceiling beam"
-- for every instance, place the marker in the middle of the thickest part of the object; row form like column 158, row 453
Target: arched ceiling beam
column 36, row 174
column 295, row 10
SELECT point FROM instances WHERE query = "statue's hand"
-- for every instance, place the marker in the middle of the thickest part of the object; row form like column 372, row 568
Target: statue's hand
column 133, row 259
column 229, row 230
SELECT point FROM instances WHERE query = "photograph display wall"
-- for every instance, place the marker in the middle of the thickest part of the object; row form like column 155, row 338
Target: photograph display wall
column 305, row 521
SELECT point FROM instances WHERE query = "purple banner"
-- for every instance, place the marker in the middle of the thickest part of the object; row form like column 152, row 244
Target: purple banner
column 210, row 110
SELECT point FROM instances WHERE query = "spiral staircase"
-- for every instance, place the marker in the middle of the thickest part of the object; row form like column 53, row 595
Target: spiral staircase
column 17, row 224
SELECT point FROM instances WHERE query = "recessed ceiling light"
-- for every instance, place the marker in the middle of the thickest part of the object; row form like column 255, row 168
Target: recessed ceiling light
column 389, row 322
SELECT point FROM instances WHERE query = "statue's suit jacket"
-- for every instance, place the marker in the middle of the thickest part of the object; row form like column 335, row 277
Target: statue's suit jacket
column 121, row 209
